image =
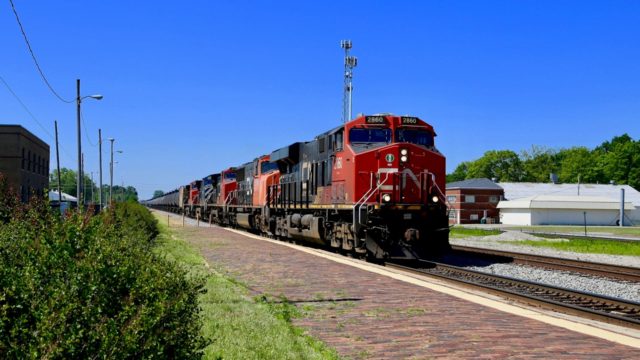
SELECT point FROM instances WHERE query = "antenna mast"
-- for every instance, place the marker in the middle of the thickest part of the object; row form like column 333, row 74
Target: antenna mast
column 349, row 63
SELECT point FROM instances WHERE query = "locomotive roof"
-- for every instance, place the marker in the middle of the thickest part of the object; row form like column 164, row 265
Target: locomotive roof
column 330, row 132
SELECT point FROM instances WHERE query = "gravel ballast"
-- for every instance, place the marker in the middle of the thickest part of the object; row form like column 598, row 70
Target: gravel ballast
column 603, row 286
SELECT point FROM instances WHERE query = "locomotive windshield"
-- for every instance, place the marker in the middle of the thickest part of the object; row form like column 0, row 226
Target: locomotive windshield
column 419, row 137
column 368, row 136
column 230, row 176
column 267, row 166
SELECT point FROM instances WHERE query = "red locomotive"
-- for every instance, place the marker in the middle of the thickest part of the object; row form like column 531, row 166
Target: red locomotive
column 373, row 186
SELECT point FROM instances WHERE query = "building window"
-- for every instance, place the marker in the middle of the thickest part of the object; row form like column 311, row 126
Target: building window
column 470, row 198
column 473, row 217
column 493, row 199
column 23, row 159
column 451, row 198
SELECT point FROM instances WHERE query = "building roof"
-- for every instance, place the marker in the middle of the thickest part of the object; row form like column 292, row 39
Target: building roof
column 479, row 183
column 515, row 191
column 19, row 129
column 54, row 196
column 572, row 202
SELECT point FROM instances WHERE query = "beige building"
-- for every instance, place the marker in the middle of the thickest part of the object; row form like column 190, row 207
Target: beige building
column 24, row 161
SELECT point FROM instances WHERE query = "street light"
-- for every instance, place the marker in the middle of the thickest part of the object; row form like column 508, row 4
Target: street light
column 80, row 176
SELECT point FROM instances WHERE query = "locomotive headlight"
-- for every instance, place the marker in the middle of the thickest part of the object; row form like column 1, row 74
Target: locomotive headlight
column 404, row 158
column 435, row 199
column 404, row 152
column 386, row 197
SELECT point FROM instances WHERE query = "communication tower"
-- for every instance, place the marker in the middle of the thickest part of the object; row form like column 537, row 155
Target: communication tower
column 349, row 63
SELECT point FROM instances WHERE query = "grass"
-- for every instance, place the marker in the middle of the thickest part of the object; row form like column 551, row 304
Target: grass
column 593, row 246
column 238, row 326
column 462, row 232
column 603, row 230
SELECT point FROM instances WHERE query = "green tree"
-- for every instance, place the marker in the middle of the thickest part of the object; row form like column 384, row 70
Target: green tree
column 460, row 173
column 505, row 165
column 617, row 160
column 620, row 160
column 578, row 164
column 158, row 193
column 538, row 163
column 124, row 194
column 68, row 183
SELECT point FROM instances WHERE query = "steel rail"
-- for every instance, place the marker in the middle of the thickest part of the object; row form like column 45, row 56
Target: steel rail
column 627, row 273
column 596, row 307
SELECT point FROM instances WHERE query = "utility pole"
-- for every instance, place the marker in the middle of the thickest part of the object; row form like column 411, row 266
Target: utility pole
column 84, row 185
column 111, row 174
column 79, row 184
column 78, row 116
column 92, row 197
column 100, row 160
column 621, row 207
column 350, row 62
column 58, row 165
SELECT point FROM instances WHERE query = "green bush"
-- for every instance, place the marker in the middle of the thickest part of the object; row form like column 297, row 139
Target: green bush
column 133, row 217
column 90, row 287
column 8, row 200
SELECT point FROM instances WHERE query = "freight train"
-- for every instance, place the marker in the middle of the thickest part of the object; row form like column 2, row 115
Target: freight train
column 372, row 187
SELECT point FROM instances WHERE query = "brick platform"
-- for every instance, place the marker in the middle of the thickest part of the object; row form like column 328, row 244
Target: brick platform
column 366, row 315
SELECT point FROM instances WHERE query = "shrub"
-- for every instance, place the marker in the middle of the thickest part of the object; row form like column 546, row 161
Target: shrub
column 89, row 287
column 8, row 200
column 133, row 217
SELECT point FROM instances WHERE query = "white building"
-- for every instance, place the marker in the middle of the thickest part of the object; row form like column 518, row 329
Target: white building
column 567, row 204
column 562, row 210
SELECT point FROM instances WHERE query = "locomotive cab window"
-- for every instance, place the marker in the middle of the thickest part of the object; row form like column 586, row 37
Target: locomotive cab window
column 267, row 166
column 415, row 136
column 369, row 136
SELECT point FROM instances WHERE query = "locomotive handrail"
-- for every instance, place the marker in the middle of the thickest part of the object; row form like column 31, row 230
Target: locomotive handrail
column 361, row 199
column 433, row 180
column 362, row 202
column 366, row 194
column 228, row 199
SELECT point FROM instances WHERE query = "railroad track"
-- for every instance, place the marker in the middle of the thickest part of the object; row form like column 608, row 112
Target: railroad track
column 604, row 270
column 596, row 307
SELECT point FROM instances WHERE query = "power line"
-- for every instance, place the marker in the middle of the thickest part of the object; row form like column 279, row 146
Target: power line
column 33, row 56
column 31, row 114
column 86, row 134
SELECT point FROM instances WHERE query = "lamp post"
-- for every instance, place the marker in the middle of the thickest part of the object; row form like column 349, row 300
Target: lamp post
column 80, row 176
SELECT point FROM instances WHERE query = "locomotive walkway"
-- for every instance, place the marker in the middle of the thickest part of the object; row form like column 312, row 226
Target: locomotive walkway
column 365, row 313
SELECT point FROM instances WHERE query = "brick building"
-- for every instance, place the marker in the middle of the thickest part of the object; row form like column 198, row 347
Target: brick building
column 473, row 200
column 24, row 161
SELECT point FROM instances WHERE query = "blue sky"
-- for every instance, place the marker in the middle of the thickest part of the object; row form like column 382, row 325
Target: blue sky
column 195, row 86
